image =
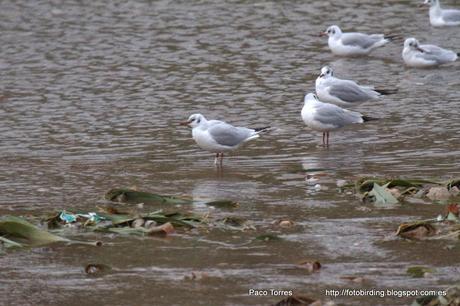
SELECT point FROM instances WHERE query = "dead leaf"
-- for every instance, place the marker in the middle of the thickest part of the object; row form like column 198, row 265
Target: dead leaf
column 438, row 193
column 297, row 300
column 164, row 229
column 310, row 265
column 417, row 230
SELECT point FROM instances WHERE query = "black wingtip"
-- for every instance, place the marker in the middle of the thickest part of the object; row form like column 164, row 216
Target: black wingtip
column 262, row 129
column 367, row 118
column 385, row 92
column 394, row 37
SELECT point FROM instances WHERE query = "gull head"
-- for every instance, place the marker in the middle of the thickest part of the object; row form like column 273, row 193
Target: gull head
column 430, row 3
column 412, row 44
column 326, row 72
column 332, row 31
column 309, row 97
column 194, row 120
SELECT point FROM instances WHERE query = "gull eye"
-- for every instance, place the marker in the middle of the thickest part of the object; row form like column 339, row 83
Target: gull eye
column 193, row 119
column 198, row 121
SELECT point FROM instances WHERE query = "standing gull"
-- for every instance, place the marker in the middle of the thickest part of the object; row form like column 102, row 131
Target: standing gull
column 345, row 92
column 219, row 137
column 353, row 44
column 325, row 117
column 416, row 55
column 440, row 17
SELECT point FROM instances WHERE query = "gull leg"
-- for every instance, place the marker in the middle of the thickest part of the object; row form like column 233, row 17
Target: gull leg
column 327, row 139
column 221, row 158
column 215, row 159
column 324, row 136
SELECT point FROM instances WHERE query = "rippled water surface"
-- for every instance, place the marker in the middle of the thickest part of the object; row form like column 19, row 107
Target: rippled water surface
column 91, row 94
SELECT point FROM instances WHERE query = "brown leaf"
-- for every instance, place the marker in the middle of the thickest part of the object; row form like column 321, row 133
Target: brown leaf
column 453, row 208
column 416, row 231
column 298, row 300
column 162, row 230
column 96, row 269
column 438, row 193
column 310, row 265
column 284, row 223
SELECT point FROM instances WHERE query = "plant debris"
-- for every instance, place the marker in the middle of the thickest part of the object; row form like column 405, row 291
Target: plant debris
column 442, row 227
column 96, row 269
column 17, row 232
column 418, row 271
column 386, row 192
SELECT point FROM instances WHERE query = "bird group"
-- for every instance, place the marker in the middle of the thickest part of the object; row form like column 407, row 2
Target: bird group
column 322, row 111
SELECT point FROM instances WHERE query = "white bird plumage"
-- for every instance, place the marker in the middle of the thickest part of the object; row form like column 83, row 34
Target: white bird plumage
column 342, row 92
column 442, row 17
column 218, row 136
column 326, row 117
column 353, row 43
column 416, row 55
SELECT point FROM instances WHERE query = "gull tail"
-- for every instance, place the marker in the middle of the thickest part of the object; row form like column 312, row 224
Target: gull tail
column 262, row 129
column 367, row 118
column 384, row 91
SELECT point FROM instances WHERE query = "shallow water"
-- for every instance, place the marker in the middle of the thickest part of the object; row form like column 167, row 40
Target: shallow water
column 91, row 95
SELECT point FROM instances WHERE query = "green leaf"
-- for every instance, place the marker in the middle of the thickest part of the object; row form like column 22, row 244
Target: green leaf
column 418, row 271
column 268, row 237
column 135, row 197
column 9, row 243
column 382, row 196
column 23, row 232
column 223, row 204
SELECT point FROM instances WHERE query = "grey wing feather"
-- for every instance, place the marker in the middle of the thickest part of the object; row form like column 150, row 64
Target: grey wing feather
column 334, row 115
column 437, row 54
column 358, row 39
column 229, row 135
column 451, row 15
column 349, row 92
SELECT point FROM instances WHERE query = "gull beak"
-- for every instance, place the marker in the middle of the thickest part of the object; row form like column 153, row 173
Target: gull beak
column 321, row 75
column 184, row 123
column 420, row 49
column 321, row 34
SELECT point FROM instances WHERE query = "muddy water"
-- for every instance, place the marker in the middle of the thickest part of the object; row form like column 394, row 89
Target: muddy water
column 91, row 94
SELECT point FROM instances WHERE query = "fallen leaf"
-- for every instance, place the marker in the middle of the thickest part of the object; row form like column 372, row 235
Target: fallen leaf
column 382, row 196
column 310, row 265
column 418, row 271
column 96, row 269
column 297, row 300
column 438, row 193
column 416, row 230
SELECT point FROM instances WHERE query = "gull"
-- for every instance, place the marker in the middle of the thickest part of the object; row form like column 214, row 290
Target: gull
column 219, row 137
column 326, row 117
column 353, row 44
column 345, row 92
column 440, row 17
column 416, row 55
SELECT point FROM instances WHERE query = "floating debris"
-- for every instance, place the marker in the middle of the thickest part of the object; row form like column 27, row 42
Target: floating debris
column 450, row 296
column 302, row 300
column 17, row 232
column 132, row 196
column 388, row 192
column 97, row 269
column 442, row 227
column 268, row 237
column 310, row 265
column 418, row 271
